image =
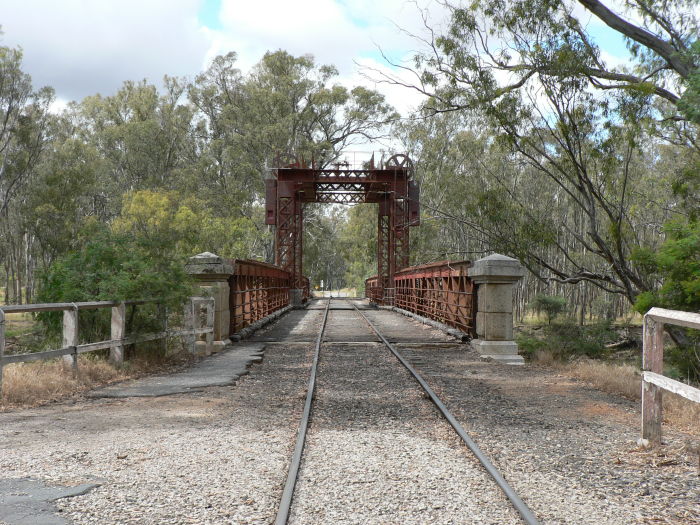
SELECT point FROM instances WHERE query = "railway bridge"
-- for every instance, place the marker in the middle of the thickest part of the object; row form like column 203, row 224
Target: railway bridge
column 400, row 407
column 474, row 299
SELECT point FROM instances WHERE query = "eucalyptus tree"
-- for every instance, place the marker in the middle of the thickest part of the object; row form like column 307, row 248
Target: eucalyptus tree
column 285, row 106
column 583, row 139
column 24, row 116
column 142, row 135
column 24, row 134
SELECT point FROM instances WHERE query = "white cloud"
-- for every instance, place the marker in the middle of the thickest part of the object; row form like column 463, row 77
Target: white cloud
column 81, row 47
column 345, row 33
column 334, row 32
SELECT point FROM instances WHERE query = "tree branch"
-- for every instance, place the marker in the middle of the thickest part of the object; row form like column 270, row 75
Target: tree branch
column 661, row 47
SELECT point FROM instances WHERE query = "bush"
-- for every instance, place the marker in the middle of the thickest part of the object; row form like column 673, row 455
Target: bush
column 112, row 267
column 567, row 339
column 551, row 305
column 528, row 346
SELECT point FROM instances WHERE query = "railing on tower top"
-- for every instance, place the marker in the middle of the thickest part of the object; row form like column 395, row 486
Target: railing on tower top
column 441, row 291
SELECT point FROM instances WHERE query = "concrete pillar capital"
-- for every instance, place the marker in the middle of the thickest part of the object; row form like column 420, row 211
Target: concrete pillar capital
column 496, row 268
column 207, row 266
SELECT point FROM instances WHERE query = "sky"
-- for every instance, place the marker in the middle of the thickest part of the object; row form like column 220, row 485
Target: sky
column 83, row 47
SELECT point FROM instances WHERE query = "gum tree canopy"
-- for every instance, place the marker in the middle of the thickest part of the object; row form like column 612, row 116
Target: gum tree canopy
column 493, row 47
column 598, row 156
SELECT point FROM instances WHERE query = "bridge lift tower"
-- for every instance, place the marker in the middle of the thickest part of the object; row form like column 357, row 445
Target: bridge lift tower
column 390, row 184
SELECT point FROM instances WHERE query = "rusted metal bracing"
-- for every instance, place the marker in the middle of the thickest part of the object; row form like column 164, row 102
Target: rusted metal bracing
column 256, row 290
column 441, row 291
column 390, row 185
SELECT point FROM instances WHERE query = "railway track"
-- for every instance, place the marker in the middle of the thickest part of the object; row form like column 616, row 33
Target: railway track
column 288, row 494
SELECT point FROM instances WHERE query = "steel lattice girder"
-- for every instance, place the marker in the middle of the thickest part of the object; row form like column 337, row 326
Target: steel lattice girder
column 441, row 291
column 392, row 188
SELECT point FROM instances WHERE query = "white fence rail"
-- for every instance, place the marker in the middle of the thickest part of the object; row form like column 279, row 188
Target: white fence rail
column 653, row 382
column 199, row 320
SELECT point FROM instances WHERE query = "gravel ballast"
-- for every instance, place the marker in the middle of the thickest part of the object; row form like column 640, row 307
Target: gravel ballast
column 378, row 452
column 568, row 450
column 217, row 456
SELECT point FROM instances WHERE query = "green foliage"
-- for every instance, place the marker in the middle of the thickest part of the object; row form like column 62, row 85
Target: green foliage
column 565, row 340
column 60, row 195
column 358, row 243
column 25, row 122
column 682, row 362
column 677, row 264
column 529, row 346
column 111, row 267
column 551, row 305
column 690, row 101
column 323, row 255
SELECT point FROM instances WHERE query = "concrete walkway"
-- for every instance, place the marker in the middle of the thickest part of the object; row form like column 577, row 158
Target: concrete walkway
column 222, row 369
column 26, row 501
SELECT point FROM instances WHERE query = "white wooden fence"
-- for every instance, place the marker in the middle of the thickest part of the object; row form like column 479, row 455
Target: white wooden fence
column 653, row 382
column 199, row 320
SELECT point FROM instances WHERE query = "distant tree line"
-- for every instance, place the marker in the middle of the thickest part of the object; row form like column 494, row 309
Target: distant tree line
column 162, row 173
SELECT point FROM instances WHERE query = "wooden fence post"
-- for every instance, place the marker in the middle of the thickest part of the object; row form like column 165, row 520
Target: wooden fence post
column 652, row 361
column 2, row 346
column 70, row 336
column 117, row 332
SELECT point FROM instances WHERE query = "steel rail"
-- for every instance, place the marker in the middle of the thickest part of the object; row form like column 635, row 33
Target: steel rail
column 518, row 503
column 288, row 492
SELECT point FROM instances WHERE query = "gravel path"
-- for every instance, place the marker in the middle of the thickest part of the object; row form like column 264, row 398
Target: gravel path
column 567, row 449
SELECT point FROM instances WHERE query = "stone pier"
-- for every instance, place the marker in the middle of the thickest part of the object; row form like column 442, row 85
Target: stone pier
column 212, row 273
column 495, row 276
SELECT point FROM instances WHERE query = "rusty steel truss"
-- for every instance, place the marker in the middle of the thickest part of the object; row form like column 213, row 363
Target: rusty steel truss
column 390, row 185
column 441, row 291
column 257, row 290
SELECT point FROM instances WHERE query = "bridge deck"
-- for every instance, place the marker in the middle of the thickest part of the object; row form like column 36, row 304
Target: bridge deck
column 345, row 325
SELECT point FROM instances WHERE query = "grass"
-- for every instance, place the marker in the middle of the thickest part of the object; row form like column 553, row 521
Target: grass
column 531, row 318
column 17, row 325
column 21, row 333
column 27, row 385
column 32, row 384
column 625, row 380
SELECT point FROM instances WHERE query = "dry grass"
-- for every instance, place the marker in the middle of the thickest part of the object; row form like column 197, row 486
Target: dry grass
column 33, row 384
column 614, row 378
column 625, row 380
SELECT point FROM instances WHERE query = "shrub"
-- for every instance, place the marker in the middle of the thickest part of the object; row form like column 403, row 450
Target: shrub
column 567, row 339
column 111, row 267
column 528, row 346
column 551, row 305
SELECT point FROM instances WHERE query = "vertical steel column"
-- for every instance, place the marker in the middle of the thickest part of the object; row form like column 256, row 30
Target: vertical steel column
column 401, row 221
column 385, row 272
column 298, row 274
column 288, row 243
